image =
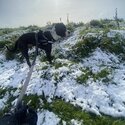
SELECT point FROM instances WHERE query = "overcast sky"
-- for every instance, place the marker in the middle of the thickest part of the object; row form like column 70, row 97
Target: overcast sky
column 15, row 13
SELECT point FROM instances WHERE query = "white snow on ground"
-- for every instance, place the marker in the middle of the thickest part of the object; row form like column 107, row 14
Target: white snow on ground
column 47, row 118
column 14, row 33
column 112, row 33
column 94, row 96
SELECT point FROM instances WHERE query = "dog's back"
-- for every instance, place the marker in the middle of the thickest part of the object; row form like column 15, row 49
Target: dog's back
column 27, row 38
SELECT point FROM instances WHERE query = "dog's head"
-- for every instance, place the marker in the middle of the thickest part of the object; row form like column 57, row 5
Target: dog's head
column 59, row 30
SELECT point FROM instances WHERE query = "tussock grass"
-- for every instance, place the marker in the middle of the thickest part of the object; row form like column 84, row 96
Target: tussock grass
column 3, row 43
column 114, row 45
column 84, row 47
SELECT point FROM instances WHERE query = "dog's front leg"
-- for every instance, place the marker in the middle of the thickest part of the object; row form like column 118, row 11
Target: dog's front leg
column 25, row 54
column 49, row 58
column 48, row 53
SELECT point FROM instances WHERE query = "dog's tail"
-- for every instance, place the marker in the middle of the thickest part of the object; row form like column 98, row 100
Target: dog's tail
column 13, row 49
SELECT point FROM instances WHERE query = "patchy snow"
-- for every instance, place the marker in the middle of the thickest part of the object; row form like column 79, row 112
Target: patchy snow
column 94, row 96
column 8, row 36
column 47, row 118
column 91, row 35
column 113, row 33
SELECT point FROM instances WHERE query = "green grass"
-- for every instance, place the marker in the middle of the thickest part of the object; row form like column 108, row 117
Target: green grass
column 84, row 47
column 87, row 73
column 102, row 74
column 82, row 79
column 33, row 100
column 67, row 112
column 113, row 45
column 45, row 67
column 64, row 110
column 4, row 31
column 59, row 64
column 86, row 30
column 8, row 103
column 3, row 43
column 2, row 93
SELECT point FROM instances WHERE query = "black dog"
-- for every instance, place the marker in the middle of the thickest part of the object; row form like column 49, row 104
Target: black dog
column 44, row 38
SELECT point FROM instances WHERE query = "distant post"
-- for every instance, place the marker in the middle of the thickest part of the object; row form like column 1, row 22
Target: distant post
column 116, row 18
column 60, row 19
column 67, row 18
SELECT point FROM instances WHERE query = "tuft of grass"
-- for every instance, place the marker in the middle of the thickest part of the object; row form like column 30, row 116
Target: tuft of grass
column 70, row 27
column 8, row 103
column 3, row 43
column 96, row 23
column 33, row 100
column 82, row 79
column 2, row 92
column 59, row 64
column 113, row 45
column 102, row 74
column 56, row 77
column 10, row 55
column 44, row 67
column 87, row 73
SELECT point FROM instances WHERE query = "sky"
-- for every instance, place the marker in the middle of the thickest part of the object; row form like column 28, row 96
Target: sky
column 16, row 13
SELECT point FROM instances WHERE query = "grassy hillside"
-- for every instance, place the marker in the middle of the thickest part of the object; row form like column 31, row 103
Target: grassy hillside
column 84, row 85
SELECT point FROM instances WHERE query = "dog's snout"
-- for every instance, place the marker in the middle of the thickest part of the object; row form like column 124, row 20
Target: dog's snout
column 67, row 33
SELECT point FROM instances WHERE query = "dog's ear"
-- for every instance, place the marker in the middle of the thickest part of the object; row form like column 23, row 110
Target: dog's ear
column 40, row 31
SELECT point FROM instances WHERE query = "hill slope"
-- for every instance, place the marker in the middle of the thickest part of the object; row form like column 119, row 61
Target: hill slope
column 74, row 83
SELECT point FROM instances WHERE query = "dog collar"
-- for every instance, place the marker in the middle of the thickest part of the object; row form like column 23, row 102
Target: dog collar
column 54, row 34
